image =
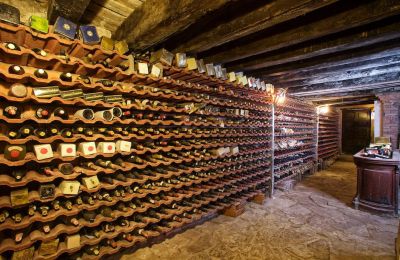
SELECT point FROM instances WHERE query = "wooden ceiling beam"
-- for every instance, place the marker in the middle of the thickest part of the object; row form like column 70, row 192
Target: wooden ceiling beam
column 350, row 40
column 345, row 58
column 336, row 96
column 333, row 99
column 365, row 13
column 344, row 68
column 336, row 77
column 365, row 83
column 156, row 20
column 261, row 18
column 70, row 9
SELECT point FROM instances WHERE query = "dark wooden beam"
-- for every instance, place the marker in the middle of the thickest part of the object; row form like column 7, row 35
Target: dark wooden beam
column 336, row 77
column 344, row 58
column 358, row 98
column 70, row 9
column 336, row 96
column 265, row 16
column 365, row 13
column 157, row 20
column 351, row 39
column 344, row 68
column 364, row 83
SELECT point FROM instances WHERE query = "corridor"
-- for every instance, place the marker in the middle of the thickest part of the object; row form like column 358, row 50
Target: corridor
column 313, row 221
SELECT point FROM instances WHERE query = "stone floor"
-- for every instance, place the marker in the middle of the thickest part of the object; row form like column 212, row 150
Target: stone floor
column 313, row 221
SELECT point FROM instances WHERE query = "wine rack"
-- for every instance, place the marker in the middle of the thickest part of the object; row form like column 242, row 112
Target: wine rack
column 328, row 135
column 149, row 157
column 294, row 139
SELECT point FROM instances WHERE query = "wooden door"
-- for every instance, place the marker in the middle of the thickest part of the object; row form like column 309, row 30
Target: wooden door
column 356, row 130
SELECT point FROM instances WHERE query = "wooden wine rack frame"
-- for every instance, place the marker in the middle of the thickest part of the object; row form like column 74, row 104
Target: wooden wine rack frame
column 289, row 162
column 328, row 137
column 250, row 133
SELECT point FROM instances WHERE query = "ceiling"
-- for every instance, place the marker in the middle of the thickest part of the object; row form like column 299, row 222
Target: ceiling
column 321, row 50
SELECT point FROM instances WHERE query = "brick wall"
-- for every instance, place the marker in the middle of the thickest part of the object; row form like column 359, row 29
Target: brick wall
column 391, row 113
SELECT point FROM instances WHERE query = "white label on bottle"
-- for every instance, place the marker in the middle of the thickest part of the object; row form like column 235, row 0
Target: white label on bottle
column 123, row 146
column 87, row 148
column 43, row 151
column 67, row 150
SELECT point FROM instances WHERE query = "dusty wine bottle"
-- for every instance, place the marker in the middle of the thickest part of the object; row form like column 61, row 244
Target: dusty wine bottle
column 60, row 112
column 41, row 73
column 66, row 76
column 39, row 52
column 15, row 69
column 42, row 113
column 12, row 112
column 12, row 46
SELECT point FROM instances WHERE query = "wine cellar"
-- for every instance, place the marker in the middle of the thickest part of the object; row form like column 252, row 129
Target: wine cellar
column 126, row 126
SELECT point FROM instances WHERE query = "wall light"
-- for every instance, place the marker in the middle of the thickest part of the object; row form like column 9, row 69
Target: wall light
column 323, row 109
column 280, row 96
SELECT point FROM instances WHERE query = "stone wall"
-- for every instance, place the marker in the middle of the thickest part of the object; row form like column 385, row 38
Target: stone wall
column 29, row 7
column 391, row 113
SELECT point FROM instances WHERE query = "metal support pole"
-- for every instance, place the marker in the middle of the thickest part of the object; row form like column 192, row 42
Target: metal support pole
column 316, row 146
column 272, row 149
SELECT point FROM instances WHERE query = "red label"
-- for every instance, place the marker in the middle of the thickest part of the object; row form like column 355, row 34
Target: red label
column 69, row 150
column 109, row 147
column 14, row 154
column 90, row 148
column 43, row 150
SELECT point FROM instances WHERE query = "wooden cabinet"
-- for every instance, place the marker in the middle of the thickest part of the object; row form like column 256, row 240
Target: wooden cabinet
column 377, row 183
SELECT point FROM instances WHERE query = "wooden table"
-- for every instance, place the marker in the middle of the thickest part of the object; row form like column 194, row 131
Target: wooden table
column 377, row 183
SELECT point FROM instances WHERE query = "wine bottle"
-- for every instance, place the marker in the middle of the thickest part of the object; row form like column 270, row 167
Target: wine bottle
column 60, row 112
column 31, row 210
column 89, row 215
column 66, row 132
column 124, row 222
column 107, row 227
column 41, row 73
column 107, row 179
column 137, row 146
column 119, row 162
column 107, row 212
column 111, row 243
column 53, row 130
column 87, row 199
column 135, row 159
column 25, row 131
column 55, row 204
column 67, row 205
column 78, row 200
column 71, row 220
column 39, row 52
column 121, row 207
column 126, row 236
column 12, row 46
column 120, row 177
column 18, row 90
column 44, row 210
column 153, row 214
column 92, row 250
column 12, row 112
column 39, row 132
column 4, row 214
column 15, row 69
column 66, row 76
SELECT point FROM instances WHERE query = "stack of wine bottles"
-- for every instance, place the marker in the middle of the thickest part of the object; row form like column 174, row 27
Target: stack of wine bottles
column 295, row 139
column 328, row 134
column 96, row 158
